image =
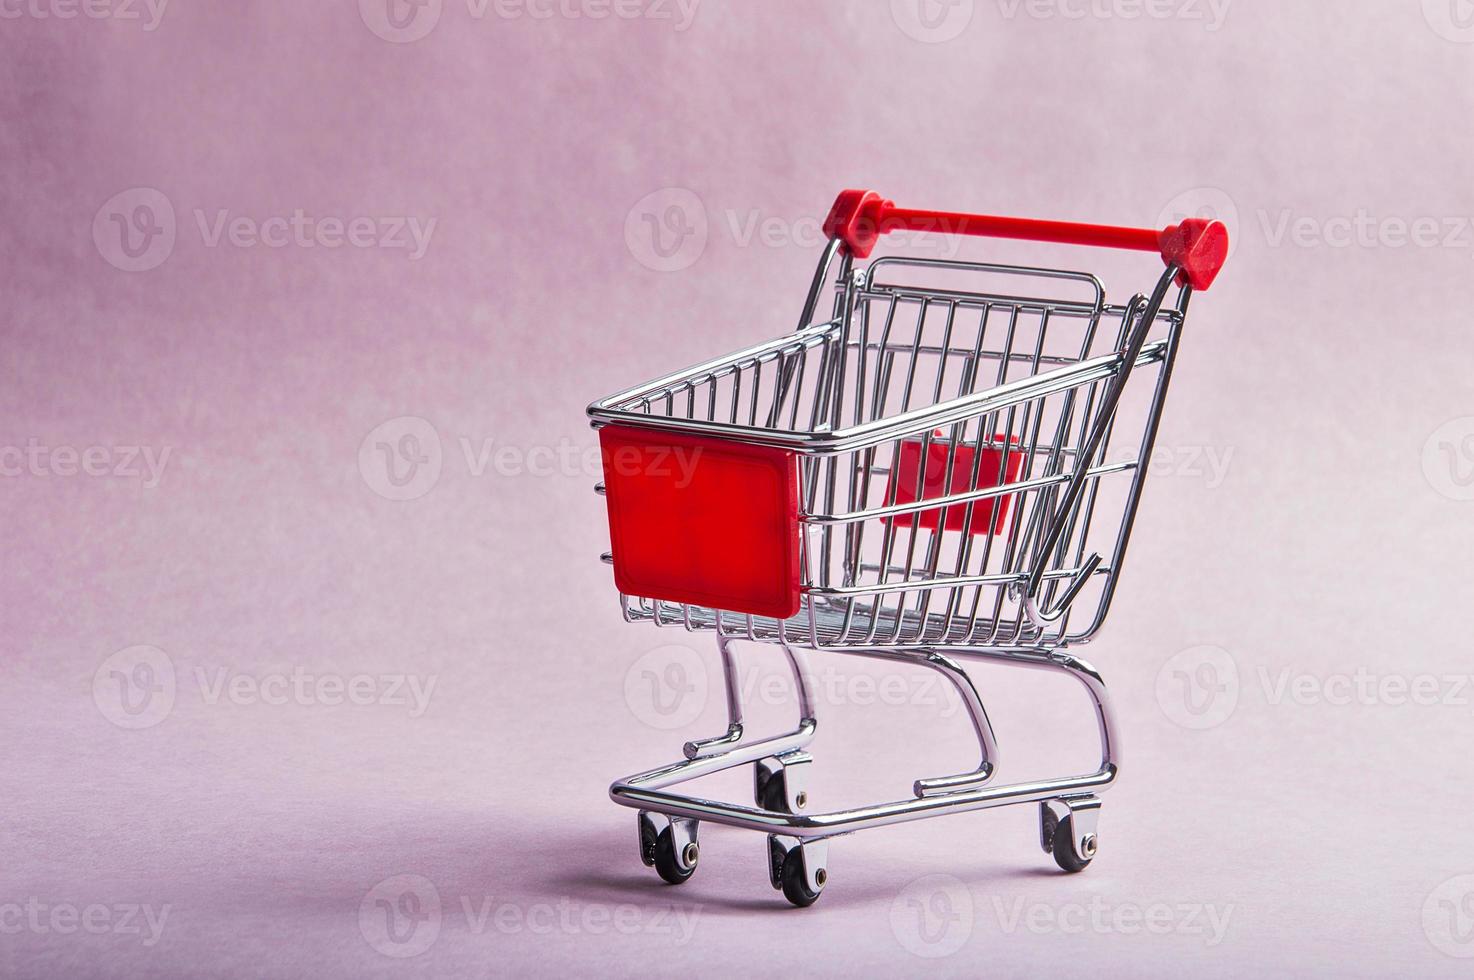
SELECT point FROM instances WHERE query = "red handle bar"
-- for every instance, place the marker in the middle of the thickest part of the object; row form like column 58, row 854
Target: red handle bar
column 1198, row 247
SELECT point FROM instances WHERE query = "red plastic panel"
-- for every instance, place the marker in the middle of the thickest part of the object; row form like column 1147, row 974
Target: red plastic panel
column 988, row 516
column 702, row 521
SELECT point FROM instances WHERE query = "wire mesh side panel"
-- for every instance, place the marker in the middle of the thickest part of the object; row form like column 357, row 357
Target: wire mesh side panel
column 789, row 385
column 784, row 387
column 917, row 540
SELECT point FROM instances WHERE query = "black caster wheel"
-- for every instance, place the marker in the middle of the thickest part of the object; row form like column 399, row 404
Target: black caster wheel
column 773, row 794
column 1063, row 847
column 666, row 863
column 780, row 783
column 796, row 881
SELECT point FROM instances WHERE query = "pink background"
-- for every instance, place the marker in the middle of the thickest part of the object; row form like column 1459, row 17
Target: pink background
column 1326, row 834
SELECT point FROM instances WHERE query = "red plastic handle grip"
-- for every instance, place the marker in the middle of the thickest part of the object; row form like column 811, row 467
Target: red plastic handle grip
column 1196, row 246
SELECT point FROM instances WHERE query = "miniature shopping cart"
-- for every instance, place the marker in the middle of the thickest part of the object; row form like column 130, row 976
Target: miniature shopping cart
column 922, row 472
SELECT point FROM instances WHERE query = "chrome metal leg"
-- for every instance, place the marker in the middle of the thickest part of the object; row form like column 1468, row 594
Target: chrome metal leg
column 646, row 790
column 696, row 749
column 781, row 792
column 987, row 742
column 801, row 683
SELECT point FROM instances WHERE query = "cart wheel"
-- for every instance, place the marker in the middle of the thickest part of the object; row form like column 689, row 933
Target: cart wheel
column 772, row 792
column 666, row 863
column 779, row 782
column 1064, row 847
column 796, row 880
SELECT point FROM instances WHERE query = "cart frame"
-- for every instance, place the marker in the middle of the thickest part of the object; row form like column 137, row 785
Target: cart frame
column 1044, row 571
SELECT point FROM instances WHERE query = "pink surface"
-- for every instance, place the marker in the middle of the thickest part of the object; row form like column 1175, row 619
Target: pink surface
column 333, row 234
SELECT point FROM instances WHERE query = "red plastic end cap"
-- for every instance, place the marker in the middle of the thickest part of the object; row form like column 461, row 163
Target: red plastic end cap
column 1199, row 247
column 855, row 220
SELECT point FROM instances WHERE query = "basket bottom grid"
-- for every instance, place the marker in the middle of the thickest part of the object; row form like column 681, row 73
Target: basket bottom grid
column 824, row 624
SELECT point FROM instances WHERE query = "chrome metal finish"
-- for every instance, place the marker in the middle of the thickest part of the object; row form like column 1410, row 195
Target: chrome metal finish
column 1141, row 323
column 1083, row 813
column 1032, row 369
column 683, row 837
column 646, row 790
column 958, row 678
column 683, row 833
column 792, row 769
column 814, row 855
column 695, row 750
column 953, row 356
